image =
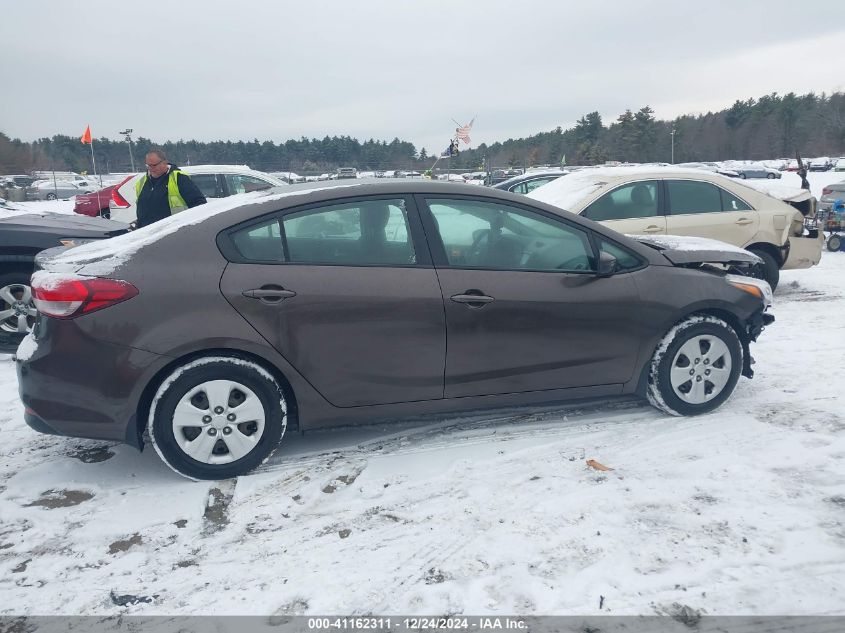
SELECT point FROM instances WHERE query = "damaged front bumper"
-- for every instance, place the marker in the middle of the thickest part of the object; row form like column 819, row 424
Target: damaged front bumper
column 753, row 328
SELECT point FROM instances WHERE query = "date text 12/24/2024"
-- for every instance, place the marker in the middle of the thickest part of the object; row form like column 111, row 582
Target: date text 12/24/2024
column 457, row 623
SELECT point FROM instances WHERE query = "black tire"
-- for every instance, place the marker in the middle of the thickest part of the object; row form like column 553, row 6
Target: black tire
column 768, row 270
column 662, row 395
column 742, row 175
column 105, row 213
column 771, row 176
column 9, row 340
column 834, row 243
column 198, row 373
column 52, row 196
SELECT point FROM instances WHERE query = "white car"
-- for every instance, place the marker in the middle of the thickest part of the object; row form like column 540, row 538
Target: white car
column 215, row 181
column 765, row 218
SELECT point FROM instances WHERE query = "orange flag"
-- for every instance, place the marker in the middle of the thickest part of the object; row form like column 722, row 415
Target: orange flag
column 86, row 137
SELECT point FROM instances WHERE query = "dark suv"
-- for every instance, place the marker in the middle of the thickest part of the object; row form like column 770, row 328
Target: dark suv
column 217, row 328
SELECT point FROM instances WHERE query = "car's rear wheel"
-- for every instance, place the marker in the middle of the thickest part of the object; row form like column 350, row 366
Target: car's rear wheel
column 768, row 270
column 105, row 213
column 696, row 366
column 834, row 243
column 741, row 175
column 217, row 417
column 51, row 196
column 17, row 311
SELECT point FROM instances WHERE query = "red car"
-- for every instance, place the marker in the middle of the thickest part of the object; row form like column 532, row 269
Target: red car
column 97, row 203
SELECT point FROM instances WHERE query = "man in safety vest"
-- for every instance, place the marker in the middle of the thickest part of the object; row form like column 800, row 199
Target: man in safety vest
column 164, row 190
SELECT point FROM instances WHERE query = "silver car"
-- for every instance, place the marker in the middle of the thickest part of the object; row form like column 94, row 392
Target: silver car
column 830, row 194
column 755, row 171
column 60, row 189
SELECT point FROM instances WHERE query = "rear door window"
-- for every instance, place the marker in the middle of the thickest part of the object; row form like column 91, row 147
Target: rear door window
column 691, row 196
column 208, row 185
column 633, row 200
column 240, row 183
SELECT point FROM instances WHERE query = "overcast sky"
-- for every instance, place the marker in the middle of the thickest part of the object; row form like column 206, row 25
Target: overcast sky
column 275, row 70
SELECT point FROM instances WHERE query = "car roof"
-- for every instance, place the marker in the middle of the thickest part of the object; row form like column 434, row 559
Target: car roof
column 532, row 175
column 568, row 192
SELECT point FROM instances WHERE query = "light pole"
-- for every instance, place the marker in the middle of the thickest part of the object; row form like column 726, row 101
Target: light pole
column 128, row 133
column 673, row 145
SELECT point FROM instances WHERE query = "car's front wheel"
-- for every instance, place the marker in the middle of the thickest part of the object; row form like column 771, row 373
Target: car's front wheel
column 217, row 417
column 696, row 366
column 768, row 270
column 17, row 311
column 834, row 243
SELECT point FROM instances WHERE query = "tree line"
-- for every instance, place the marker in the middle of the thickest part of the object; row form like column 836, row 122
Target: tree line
column 771, row 126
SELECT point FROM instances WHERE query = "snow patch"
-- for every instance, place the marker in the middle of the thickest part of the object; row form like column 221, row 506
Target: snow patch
column 27, row 348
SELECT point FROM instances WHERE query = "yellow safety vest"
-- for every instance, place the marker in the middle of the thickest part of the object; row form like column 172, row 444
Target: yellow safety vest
column 174, row 198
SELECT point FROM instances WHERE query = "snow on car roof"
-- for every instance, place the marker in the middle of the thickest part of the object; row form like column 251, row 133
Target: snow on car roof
column 568, row 192
column 107, row 255
column 777, row 190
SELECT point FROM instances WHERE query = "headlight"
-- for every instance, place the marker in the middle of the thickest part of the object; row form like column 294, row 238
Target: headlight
column 757, row 287
column 74, row 241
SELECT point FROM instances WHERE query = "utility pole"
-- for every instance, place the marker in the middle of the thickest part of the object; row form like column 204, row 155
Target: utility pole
column 128, row 133
column 673, row 145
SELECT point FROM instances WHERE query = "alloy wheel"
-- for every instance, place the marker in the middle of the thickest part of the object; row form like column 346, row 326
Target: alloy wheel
column 218, row 422
column 17, row 312
column 701, row 369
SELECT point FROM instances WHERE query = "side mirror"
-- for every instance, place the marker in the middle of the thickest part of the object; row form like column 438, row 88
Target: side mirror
column 608, row 264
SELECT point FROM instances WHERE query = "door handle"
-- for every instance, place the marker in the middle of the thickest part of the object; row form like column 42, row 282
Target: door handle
column 269, row 294
column 652, row 229
column 474, row 299
column 743, row 221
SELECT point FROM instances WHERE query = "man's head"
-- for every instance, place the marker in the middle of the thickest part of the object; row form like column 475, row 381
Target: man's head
column 156, row 163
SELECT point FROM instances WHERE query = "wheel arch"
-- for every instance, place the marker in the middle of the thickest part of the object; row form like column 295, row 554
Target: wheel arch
column 145, row 401
column 725, row 315
column 769, row 248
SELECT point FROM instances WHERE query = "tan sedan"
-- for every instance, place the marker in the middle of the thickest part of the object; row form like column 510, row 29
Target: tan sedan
column 766, row 219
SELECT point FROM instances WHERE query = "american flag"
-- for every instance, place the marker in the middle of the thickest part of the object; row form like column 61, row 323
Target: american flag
column 462, row 133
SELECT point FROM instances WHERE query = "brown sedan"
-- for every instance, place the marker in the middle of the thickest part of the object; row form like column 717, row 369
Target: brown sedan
column 219, row 328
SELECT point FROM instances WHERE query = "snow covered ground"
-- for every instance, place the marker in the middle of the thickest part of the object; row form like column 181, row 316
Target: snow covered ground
column 737, row 512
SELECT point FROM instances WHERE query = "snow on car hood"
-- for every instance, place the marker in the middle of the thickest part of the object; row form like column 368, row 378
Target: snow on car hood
column 103, row 257
column 680, row 249
column 779, row 191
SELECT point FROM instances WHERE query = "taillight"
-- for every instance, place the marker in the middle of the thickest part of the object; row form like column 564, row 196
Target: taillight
column 119, row 201
column 69, row 296
column 827, row 191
